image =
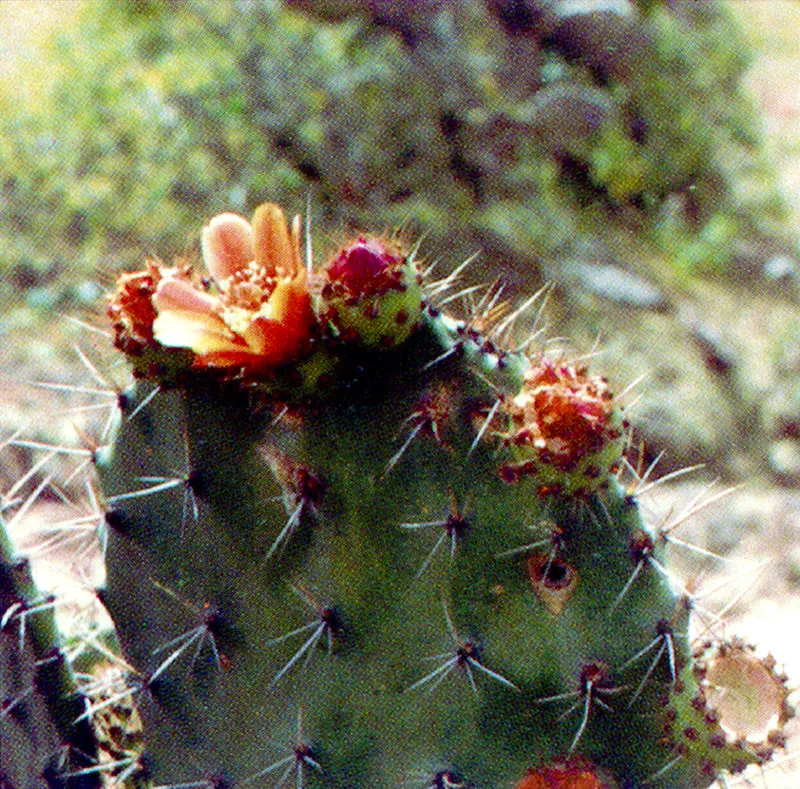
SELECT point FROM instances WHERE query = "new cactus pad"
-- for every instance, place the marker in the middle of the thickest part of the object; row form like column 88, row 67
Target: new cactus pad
column 354, row 541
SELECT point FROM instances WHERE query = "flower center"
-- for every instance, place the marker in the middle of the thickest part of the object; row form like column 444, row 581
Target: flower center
column 247, row 288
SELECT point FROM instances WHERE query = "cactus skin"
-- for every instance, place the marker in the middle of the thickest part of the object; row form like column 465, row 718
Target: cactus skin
column 41, row 744
column 334, row 582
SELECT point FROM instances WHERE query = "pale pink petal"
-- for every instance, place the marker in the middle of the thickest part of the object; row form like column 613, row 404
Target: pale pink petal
column 190, row 318
column 180, row 295
column 228, row 245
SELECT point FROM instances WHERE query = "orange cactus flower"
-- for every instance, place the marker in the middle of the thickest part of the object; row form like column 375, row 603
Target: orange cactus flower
column 260, row 314
column 574, row 774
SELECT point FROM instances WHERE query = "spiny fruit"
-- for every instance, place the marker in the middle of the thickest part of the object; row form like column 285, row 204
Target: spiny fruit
column 572, row 774
column 372, row 292
column 565, row 432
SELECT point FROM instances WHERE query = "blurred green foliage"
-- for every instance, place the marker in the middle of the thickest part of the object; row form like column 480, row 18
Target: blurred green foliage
column 159, row 114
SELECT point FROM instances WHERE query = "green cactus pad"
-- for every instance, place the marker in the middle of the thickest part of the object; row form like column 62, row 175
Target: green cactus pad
column 296, row 568
column 45, row 740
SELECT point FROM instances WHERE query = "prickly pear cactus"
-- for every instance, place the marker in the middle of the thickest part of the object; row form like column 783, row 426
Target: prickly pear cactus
column 45, row 737
column 354, row 541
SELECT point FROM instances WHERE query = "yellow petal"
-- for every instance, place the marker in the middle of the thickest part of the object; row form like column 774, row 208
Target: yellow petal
column 201, row 333
column 228, row 245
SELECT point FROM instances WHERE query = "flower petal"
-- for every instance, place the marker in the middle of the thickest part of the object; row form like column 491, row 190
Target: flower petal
column 276, row 250
column 282, row 330
column 201, row 333
column 181, row 295
column 228, row 245
column 189, row 318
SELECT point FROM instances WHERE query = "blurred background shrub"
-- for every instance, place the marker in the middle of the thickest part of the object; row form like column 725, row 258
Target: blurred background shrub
column 512, row 126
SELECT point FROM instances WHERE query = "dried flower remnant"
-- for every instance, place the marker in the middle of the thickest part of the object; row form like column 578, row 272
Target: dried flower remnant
column 131, row 307
column 259, row 313
column 564, row 428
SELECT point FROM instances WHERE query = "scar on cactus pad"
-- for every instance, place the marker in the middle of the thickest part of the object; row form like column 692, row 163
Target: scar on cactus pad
column 372, row 472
